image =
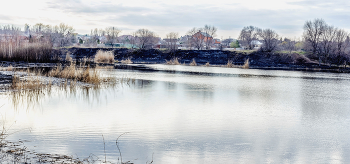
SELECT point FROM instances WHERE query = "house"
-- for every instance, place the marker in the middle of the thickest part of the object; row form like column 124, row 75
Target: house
column 256, row 43
column 202, row 36
column 227, row 42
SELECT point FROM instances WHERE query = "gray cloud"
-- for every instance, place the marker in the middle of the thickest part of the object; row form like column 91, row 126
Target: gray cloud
column 286, row 21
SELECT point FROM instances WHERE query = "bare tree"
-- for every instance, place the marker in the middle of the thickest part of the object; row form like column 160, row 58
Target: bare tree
column 289, row 45
column 171, row 40
column 133, row 40
column 313, row 31
column 327, row 43
column 94, row 37
column 341, row 42
column 196, row 38
column 112, row 35
column 146, row 38
column 247, row 35
column 210, row 32
column 270, row 39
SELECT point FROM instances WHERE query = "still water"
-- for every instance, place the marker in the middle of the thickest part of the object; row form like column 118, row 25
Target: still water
column 184, row 114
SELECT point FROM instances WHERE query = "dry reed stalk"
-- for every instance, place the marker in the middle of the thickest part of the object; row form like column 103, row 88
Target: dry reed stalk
column 193, row 63
column 246, row 64
column 30, row 52
column 104, row 57
column 126, row 61
column 173, row 61
column 230, row 64
column 68, row 57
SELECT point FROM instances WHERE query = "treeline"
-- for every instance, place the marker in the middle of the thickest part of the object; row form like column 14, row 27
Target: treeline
column 321, row 42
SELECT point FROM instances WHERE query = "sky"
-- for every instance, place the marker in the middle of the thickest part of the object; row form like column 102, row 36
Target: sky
column 286, row 17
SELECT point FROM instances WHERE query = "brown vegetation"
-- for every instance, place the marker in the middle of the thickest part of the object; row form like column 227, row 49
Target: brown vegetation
column 126, row 61
column 193, row 63
column 174, row 61
column 104, row 57
column 30, row 52
column 246, row 64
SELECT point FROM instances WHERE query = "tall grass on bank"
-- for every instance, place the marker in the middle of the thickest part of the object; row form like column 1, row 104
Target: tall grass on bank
column 28, row 52
column 230, row 64
column 193, row 63
column 173, row 61
column 246, row 64
column 126, row 61
column 104, row 57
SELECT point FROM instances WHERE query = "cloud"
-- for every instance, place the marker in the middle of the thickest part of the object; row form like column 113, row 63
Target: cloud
column 79, row 7
column 285, row 17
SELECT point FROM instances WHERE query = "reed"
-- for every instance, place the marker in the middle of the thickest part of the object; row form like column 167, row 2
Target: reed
column 29, row 52
column 193, row 63
column 74, row 73
column 69, row 58
column 126, row 61
column 173, row 61
column 104, row 57
column 230, row 64
column 246, row 64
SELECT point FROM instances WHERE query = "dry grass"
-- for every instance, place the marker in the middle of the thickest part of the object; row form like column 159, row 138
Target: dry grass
column 29, row 52
column 246, row 64
column 104, row 57
column 230, row 64
column 28, row 83
column 193, row 63
column 68, row 57
column 207, row 64
column 74, row 73
column 126, row 61
column 174, row 61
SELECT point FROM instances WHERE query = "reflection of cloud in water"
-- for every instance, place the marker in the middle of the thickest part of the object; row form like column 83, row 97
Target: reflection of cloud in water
column 202, row 119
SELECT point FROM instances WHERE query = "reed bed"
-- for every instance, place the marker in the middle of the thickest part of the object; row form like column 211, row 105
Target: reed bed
column 104, row 57
column 29, row 52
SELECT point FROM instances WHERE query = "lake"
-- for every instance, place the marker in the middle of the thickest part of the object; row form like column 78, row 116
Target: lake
column 186, row 114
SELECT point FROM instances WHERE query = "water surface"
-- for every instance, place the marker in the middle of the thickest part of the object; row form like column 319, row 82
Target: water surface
column 184, row 114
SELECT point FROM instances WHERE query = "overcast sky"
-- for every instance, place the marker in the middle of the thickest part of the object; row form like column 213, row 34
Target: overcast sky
column 163, row 16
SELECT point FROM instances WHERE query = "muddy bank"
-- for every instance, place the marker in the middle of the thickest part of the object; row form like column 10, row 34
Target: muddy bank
column 257, row 60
